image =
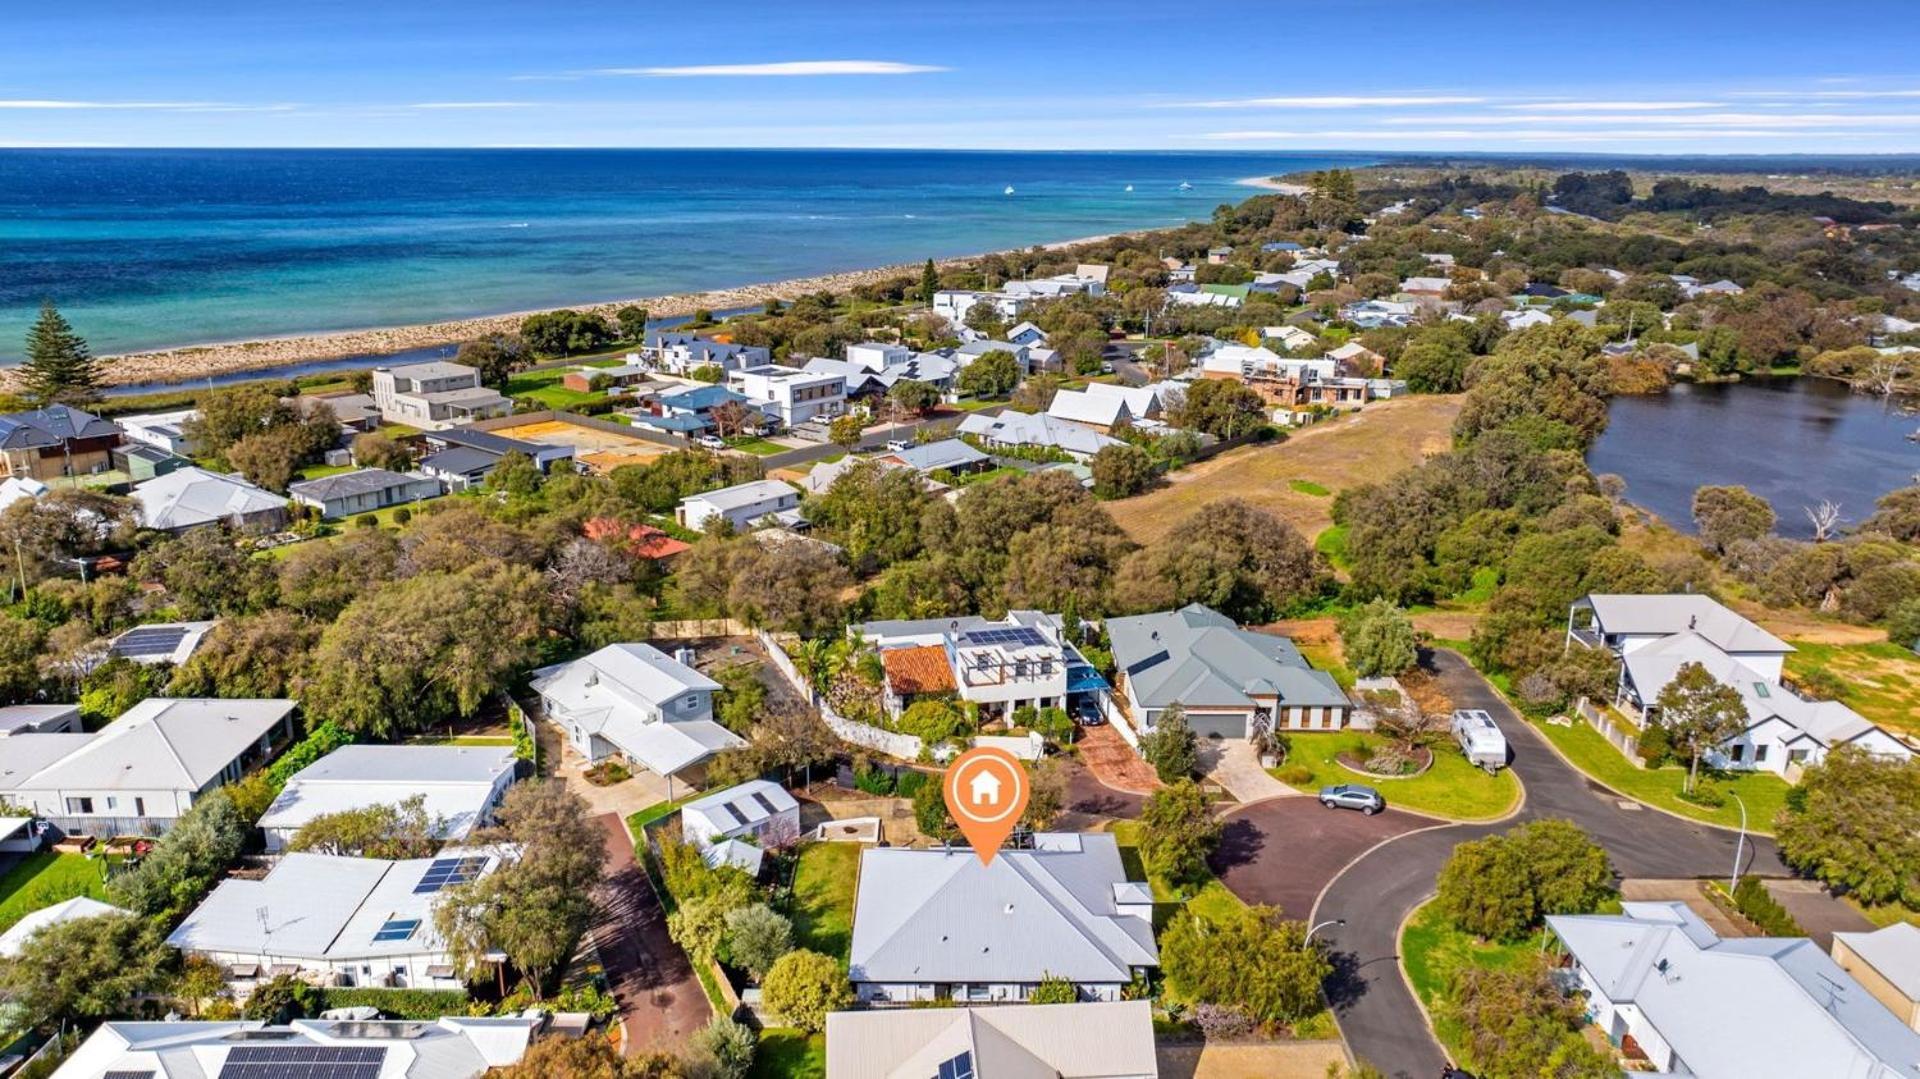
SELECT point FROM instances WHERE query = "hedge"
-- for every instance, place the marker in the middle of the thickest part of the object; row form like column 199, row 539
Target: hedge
column 399, row 1003
column 1751, row 898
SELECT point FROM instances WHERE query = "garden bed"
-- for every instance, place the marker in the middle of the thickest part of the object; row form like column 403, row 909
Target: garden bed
column 1421, row 758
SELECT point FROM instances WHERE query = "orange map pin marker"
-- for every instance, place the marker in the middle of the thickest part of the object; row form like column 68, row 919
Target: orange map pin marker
column 986, row 792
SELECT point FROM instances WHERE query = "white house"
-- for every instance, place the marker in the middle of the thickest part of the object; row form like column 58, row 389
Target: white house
column 139, row 773
column 789, row 394
column 636, row 702
column 363, row 490
column 1058, row 1041
column 1697, row 1005
column 1020, row 661
column 1100, row 411
column 161, row 430
column 452, row 1047
column 433, row 395
column 193, row 497
column 740, row 505
column 738, row 825
column 681, row 353
column 1011, row 428
column 69, row 910
column 39, row 719
column 459, row 787
column 1291, row 338
column 1654, row 636
column 341, row 921
column 1887, row 962
column 939, row 925
column 1229, row 680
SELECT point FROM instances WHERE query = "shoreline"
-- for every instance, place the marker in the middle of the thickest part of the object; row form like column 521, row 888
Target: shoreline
column 161, row 368
column 1268, row 183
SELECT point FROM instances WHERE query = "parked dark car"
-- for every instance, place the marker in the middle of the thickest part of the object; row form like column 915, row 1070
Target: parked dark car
column 1086, row 712
column 1352, row 796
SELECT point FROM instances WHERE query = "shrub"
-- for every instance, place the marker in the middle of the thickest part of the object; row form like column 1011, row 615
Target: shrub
column 1655, row 747
column 1295, row 774
column 1751, row 898
column 1500, row 887
column 402, row 515
column 400, row 1003
column 804, row 986
column 728, row 1045
column 908, row 783
column 877, row 781
column 1221, row 1022
column 366, row 520
column 1054, row 990
column 1704, row 795
column 281, row 999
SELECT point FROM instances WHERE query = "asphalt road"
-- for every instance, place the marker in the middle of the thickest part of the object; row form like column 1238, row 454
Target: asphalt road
column 1378, row 1014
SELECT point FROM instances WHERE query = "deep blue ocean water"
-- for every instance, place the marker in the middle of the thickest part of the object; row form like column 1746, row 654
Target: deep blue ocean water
column 157, row 248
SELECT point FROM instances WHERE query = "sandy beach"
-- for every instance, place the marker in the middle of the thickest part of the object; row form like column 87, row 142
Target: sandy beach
column 191, row 362
column 1268, row 183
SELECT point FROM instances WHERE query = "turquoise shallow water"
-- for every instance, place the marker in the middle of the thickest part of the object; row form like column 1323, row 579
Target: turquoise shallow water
column 157, row 248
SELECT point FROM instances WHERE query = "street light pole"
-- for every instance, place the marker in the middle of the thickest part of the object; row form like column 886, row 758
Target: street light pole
column 1308, row 939
column 1739, row 845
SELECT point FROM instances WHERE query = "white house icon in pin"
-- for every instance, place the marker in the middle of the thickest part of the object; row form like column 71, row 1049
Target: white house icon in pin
column 985, row 787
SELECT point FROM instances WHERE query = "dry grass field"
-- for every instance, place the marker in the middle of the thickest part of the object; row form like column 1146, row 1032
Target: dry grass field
column 1354, row 449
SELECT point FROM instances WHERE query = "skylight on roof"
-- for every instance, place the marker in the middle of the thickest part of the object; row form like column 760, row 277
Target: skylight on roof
column 960, row 1067
column 396, row 929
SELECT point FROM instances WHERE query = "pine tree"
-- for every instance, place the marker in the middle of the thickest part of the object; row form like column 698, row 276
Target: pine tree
column 929, row 282
column 60, row 368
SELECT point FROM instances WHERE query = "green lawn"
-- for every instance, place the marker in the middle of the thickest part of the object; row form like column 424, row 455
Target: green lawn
column 1327, row 657
column 823, row 887
column 1763, row 792
column 788, row 1053
column 1880, row 681
column 544, row 386
column 462, row 740
column 1209, row 899
column 759, row 447
column 1431, row 951
column 1451, row 788
column 314, row 472
column 44, row 878
column 638, row 821
column 1887, row 914
column 1332, row 542
column 1308, row 487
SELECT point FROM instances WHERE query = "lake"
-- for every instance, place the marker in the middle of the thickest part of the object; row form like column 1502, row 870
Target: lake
column 1793, row 441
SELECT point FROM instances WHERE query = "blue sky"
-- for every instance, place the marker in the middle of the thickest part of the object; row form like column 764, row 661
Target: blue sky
column 1760, row 76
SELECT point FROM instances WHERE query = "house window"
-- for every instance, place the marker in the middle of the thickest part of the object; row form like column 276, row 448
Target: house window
column 1019, row 668
column 139, row 807
column 692, row 702
column 1738, row 754
column 112, row 802
column 1759, row 753
column 82, row 806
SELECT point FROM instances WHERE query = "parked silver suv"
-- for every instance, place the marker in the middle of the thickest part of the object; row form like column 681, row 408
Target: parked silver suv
column 1352, row 796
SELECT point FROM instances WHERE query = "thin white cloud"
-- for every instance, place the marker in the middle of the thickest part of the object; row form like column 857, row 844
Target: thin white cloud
column 786, row 69
column 1810, row 120
column 1332, row 101
column 1610, row 106
column 452, row 105
column 1826, row 95
column 1522, row 135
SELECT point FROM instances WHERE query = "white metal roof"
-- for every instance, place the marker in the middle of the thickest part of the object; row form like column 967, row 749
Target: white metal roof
column 69, row 910
column 163, row 743
column 455, row 783
column 1893, row 951
column 1057, row 1041
column 453, row 1047
column 191, row 496
column 742, row 495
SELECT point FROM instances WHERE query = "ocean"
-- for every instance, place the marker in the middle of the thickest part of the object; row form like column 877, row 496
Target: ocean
column 148, row 249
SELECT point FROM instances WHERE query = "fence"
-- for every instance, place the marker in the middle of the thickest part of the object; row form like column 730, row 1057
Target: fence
column 687, row 629
column 1616, row 734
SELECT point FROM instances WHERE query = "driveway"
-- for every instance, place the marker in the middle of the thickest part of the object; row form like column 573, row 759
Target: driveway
column 1819, row 912
column 1231, row 763
column 1376, row 1009
column 661, row 1002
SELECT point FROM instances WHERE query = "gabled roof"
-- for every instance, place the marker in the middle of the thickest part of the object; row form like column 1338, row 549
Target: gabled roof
column 941, row 916
column 456, row 784
column 432, row 369
column 1042, row 1041
column 1036, row 429
column 1082, row 407
column 327, row 907
column 66, row 911
column 162, row 743
column 453, row 1047
column 191, row 496
column 347, row 484
column 1141, row 401
column 1893, row 951
column 604, row 692
column 161, row 642
column 1678, row 612
column 1198, row 657
column 1750, row 1006
column 920, row 669
column 51, row 426
column 742, row 495
column 930, row 456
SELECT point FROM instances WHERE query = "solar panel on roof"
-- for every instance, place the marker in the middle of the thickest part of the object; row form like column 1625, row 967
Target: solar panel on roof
column 446, row 872
column 306, row 1061
column 149, row 642
column 764, row 804
column 738, row 817
column 128, row 1075
column 960, row 1067
column 396, row 929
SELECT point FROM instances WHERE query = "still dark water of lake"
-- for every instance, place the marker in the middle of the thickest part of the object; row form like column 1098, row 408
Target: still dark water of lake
column 1793, row 441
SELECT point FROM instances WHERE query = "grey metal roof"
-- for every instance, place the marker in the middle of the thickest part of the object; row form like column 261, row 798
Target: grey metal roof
column 1055, row 1041
column 461, row 460
column 941, row 916
column 1893, row 951
column 346, row 484
column 51, row 426
column 1198, row 656
column 1678, row 612
column 946, row 453
column 162, row 743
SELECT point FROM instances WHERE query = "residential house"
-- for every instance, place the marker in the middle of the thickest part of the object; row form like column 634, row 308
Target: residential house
column 1281, row 247
column 1722, row 287
column 1112, row 1040
column 1053, row 288
column 1189, row 294
column 172, row 643
column 138, row 774
column 67, row 910
column 1271, row 283
column 945, row 455
column 1679, row 1000
column 19, row 488
column 973, row 350
column 1426, row 286
column 192, row 497
column 1219, row 256
column 55, row 442
column 1291, row 338
column 1355, row 356
column 866, row 377
column 1373, row 314
column 1886, row 962
column 1654, row 636
column 789, row 394
column 1027, row 334
column 629, row 376
column 1524, row 318
column 737, row 826
column 1229, row 680
column 1021, row 661
column 39, row 719
column 684, row 353
column 635, row 702
column 740, row 505
column 1011, row 428
column 459, row 786
column 139, row 462
column 335, row 920
column 876, row 356
column 363, row 491
column 454, row 1047
column 1099, row 411
column 161, row 430
column 356, row 412
column 939, row 924
column 433, row 395
column 688, row 413
column 462, row 457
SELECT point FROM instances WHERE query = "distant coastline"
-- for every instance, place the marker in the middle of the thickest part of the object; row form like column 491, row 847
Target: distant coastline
column 1268, row 183
column 191, row 363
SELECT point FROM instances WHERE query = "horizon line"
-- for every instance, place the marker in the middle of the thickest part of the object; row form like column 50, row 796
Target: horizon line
column 1185, row 152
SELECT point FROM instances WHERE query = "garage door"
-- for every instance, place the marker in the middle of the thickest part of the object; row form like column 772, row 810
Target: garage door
column 1218, row 726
